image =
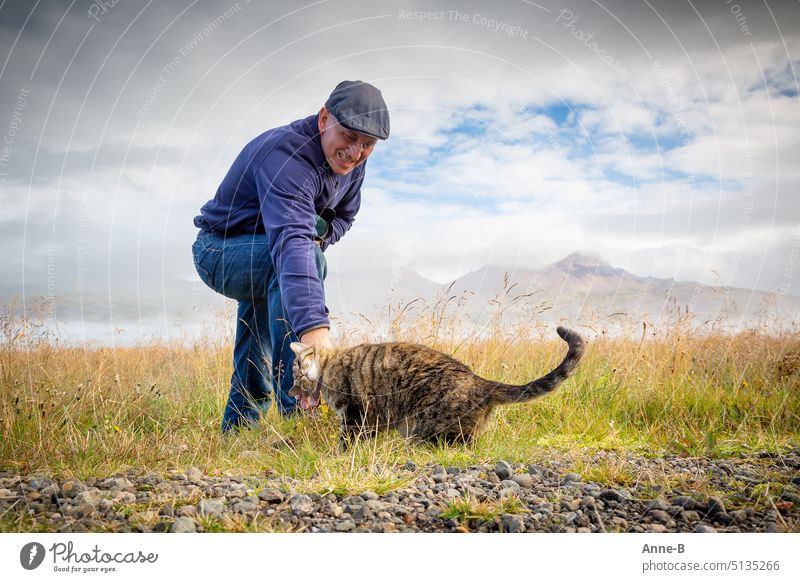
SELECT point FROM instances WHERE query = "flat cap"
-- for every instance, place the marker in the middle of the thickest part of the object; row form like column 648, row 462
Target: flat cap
column 359, row 106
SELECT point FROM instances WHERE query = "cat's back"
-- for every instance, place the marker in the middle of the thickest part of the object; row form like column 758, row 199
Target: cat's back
column 401, row 357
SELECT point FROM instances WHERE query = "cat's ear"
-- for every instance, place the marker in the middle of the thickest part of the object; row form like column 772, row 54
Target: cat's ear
column 298, row 348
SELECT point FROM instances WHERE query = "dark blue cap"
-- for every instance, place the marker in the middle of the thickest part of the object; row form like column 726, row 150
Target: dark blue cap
column 359, row 106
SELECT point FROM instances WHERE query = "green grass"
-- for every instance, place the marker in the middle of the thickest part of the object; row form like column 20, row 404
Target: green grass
column 471, row 513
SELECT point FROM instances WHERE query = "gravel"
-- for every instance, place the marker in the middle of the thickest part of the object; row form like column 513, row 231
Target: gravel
column 553, row 497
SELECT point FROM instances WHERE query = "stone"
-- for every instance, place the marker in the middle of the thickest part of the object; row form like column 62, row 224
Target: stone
column 83, row 510
column 369, row 496
column 452, row 493
column 714, row 505
column 503, row 470
column 475, row 492
column 658, row 503
column 345, row 525
column 301, row 505
column 512, row 524
column 183, row 525
column 704, row 528
column 89, row 496
column 683, row 501
column 39, row 483
column 152, row 479
column 659, row 515
column 117, row 483
column 194, row 475
column 211, row 508
column 410, row 466
column 246, row 507
column 439, row 477
column 738, row 515
column 690, row 516
column 186, row 511
column 656, row 528
column 71, row 487
column 611, row 495
column 572, row 478
column 124, row 497
column 271, row 496
column 362, row 513
column 573, row 505
column 523, row 480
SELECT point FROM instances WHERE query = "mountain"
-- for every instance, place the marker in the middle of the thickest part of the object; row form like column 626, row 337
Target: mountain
column 583, row 289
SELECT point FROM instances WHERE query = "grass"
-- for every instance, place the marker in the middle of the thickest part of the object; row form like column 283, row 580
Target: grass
column 82, row 411
column 471, row 513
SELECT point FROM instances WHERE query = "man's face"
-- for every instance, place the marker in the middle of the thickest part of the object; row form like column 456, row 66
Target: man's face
column 344, row 149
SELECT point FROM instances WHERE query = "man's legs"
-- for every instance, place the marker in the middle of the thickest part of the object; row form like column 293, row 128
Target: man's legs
column 250, row 389
column 239, row 268
column 282, row 336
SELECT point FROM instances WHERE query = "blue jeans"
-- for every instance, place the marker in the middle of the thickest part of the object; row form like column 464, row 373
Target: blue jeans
column 240, row 268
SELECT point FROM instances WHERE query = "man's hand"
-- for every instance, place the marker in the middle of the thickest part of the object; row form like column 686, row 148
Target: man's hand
column 317, row 337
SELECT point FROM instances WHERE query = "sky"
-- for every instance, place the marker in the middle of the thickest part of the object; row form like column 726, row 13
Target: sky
column 660, row 136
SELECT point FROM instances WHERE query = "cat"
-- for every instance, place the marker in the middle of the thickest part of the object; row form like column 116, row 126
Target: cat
column 422, row 393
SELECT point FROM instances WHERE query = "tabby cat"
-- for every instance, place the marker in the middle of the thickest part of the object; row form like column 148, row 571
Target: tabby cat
column 418, row 391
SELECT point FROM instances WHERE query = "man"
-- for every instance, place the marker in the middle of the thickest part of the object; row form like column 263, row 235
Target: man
column 292, row 192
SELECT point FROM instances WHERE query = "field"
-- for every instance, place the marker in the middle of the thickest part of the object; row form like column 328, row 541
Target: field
column 83, row 412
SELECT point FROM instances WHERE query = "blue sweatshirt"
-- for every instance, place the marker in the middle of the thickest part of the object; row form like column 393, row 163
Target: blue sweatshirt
column 276, row 185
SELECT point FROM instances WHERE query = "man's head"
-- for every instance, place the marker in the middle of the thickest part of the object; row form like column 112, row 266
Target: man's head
column 351, row 122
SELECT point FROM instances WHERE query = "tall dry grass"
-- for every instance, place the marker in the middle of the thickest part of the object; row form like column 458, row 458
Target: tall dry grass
column 88, row 411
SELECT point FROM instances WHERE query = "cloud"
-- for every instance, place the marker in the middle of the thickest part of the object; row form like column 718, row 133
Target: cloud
column 510, row 149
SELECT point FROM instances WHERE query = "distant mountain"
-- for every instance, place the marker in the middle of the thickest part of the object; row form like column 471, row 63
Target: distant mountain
column 585, row 289
column 579, row 290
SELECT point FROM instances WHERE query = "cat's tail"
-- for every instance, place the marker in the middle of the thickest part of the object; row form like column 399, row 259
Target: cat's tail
column 508, row 393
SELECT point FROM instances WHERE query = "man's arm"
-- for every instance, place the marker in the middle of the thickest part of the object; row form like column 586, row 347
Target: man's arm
column 286, row 186
column 346, row 212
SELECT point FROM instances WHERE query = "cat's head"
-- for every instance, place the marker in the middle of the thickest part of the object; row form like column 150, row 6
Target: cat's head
column 307, row 375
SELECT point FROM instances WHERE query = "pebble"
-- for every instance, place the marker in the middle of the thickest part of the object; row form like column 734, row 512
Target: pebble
column 611, row 495
column 523, row 480
column 659, row 515
column 211, row 508
column 194, row 475
column 553, row 498
column 183, row 525
column 658, row 503
column 703, row 528
column 503, row 470
column 301, row 505
column 346, row 525
column 714, row 505
column 683, row 501
column 512, row 524
column 71, row 488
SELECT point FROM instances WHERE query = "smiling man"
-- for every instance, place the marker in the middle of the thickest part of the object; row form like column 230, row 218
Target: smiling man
column 291, row 192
